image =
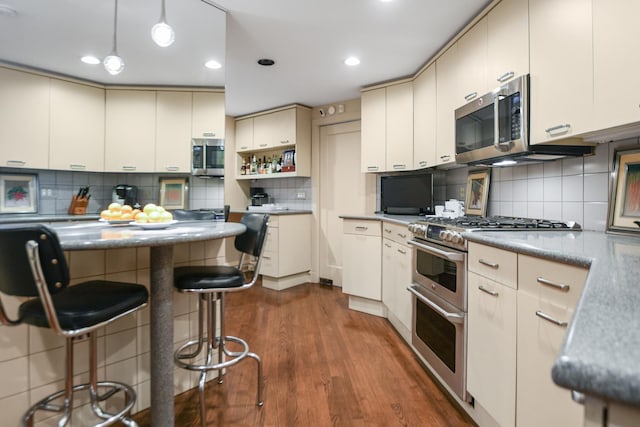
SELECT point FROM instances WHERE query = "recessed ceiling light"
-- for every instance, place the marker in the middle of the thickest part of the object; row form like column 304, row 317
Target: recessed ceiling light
column 386, row 1
column 6, row 10
column 213, row 64
column 91, row 60
column 266, row 62
column 352, row 61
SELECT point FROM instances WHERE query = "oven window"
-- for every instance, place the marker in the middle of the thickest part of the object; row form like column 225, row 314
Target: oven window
column 437, row 269
column 437, row 333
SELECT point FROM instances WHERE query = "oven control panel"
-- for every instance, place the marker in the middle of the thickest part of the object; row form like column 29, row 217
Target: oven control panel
column 442, row 234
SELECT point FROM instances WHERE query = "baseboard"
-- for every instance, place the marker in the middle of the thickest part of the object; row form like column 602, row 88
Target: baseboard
column 281, row 283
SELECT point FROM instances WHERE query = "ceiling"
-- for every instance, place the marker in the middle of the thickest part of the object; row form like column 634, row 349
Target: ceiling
column 308, row 39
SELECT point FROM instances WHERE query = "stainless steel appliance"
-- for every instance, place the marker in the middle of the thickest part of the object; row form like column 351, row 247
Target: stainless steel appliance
column 125, row 194
column 439, row 288
column 259, row 197
column 495, row 127
column 207, row 157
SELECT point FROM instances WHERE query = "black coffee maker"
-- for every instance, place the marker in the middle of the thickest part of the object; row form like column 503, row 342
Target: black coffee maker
column 125, row 194
column 258, row 196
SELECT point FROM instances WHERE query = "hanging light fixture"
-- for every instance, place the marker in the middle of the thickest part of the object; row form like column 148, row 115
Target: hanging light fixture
column 113, row 63
column 162, row 33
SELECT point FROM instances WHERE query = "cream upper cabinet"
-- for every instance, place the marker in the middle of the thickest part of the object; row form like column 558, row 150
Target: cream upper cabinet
column 447, row 95
column 77, row 127
column 616, row 40
column 208, row 120
column 244, row 134
column 130, row 131
column 275, row 129
column 424, row 119
column 173, row 132
column 561, row 55
column 373, row 134
column 24, row 120
column 507, row 42
column 399, row 131
column 472, row 63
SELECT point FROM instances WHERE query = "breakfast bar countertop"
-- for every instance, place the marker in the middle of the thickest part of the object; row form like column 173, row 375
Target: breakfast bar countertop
column 599, row 356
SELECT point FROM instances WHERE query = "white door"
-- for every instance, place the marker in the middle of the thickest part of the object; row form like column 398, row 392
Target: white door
column 344, row 190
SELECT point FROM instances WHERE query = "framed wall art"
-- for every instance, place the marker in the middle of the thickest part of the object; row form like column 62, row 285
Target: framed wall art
column 19, row 193
column 174, row 193
column 624, row 198
column 477, row 193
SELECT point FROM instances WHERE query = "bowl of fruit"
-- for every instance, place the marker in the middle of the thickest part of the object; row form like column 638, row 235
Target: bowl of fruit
column 117, row 214
column 151, row 216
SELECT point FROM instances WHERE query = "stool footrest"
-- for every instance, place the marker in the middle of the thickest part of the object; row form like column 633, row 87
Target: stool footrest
column 181, row 354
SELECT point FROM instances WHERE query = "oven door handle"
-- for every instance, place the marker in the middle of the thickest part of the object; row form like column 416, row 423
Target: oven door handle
column 452, row 317
column 451, row 256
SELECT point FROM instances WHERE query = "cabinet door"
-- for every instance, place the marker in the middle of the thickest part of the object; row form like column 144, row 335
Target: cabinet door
column 472, row 54
column 361, row 259
column 130, row 131
column 294, row 244
column 24, row 120
column 173, row 132
column 244, row 134
column 507, row 41
column 616, row 39
column 388, row 274
column 446, row 102
column 270, row 256
column 561, row 69
column 424, row 119
column 275, row 129
column 208, row 115
column 399, row 131
column 491, row 352
column 373, row 132
column 541, row 402
column 77, row 127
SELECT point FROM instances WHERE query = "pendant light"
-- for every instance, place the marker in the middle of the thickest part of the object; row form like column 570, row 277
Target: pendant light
column 162, row 33
column 113, row 63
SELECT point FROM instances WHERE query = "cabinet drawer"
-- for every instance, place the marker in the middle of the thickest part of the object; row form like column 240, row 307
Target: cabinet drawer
column 271, row 243
column 549, row 280
column 396, row 232
column 269, row 264
column 363, row 227
column 493, row 263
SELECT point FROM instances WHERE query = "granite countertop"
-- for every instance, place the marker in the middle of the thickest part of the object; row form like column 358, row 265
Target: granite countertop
column 26, row 218
column 601, row 349
column 276, row 211
column 396, row 219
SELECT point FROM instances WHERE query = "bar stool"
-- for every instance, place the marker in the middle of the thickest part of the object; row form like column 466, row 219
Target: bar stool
column 32, row 264
column 212, row 283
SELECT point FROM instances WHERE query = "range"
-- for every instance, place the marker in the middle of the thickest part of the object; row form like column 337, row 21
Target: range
column 439, row 287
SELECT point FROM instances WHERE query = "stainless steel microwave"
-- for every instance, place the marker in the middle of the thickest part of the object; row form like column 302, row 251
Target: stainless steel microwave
column 207, row 157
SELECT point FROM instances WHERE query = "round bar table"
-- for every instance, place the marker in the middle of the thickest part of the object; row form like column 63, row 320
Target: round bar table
column 99, row 235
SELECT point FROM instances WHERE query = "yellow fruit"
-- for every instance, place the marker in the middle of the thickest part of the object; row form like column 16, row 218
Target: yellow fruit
column 105, row 214
column 142, row 218
column 126, row 215
column 115, row 215
column 126, row 208
column 115, row 207
column 149, row 207
column 160, row 209
column 154, row 216
column 135, row 212
column 166, row 216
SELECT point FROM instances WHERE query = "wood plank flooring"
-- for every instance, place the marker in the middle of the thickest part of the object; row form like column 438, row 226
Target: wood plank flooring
column 323, row 365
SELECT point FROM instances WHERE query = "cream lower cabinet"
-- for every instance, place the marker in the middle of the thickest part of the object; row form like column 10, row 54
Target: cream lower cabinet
column 396, row 277
column 361, row 265
column 286, row 259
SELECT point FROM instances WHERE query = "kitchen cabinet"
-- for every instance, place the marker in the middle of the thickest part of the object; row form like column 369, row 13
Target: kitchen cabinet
column 361, row 258
column 396, row 277
column 491, row 352
column 208, row 120
column 446, row 102
column 507, row 42
column 173, row 132
column 76, row 139
column 130, row 130
column 387, row 128
column 472, row 64
column 269, row 134
column 286, row 260
column 616, row 39
column 424, row 119
column 561, row 62
column 547, row 292
column 24, row 119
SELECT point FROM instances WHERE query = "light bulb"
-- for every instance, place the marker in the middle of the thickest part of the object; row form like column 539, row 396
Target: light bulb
column 113, row 64
column 163, row 34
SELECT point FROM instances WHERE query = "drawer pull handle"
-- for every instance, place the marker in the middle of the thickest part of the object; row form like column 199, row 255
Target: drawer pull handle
column 244, row 147
column 387, row 230
column 548, row 318
column 399, row 166
column 263, row 145
column 208, row 134
column 470, row 96
column 362, row 227
column 77, row 167
column 487, row 291
column 489, row 264
column 286, row 141
column 128, row 168
column 266, row 257
column 558, row 129
column 422, row 163
column 402, row 251
column 445, row 157
column 372, row 168
column 16, row 163
column 506, row 76
column 172, row 168
column 387, row 245
column 402, row 236
column 559, row 286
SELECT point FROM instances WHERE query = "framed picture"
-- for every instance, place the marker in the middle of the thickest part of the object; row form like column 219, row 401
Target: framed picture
column 624, row 200
column 477, row 193
column 19, row 193
column 174, row 193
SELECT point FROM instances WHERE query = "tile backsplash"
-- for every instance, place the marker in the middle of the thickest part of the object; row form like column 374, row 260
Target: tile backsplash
column 294, row 193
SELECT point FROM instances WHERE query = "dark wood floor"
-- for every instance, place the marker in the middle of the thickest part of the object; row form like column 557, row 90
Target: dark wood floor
column 324, row 365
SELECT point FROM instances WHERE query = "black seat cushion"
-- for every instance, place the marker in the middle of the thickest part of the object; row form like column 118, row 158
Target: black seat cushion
column 87, row 304
column 207, row 278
